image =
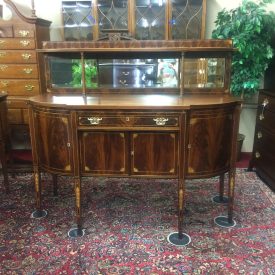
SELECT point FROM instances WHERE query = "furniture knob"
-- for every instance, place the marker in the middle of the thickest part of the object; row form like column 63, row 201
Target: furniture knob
column 127, row 118
column 29, row 87
column 259, row 135
column 27, row 70
column 26, row 56
column 25, row 43
column 123, row 82
column 160, row 120
column 68, row 144
column 2, row 54
column 94, row 120
column 265, row 102
column 257, row 155
column 4, row 83
column 3, row 67
column 24, row 33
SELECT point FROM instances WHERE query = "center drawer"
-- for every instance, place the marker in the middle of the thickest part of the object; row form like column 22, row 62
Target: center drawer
column 95, row 119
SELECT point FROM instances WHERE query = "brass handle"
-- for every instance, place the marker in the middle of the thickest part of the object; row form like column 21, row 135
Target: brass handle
column 27, row 70
column 265, row 102
column 29, row 87
column 94, row 120
column 26, row 56
column 3, row 54
column 3, row 67
column 261, row 116
column 160, row 120
column 259, row 135
column 125, row 73
column 4, row 83
column 24, row 33
column 25, row 43
column 123, row 82
column 257, row 155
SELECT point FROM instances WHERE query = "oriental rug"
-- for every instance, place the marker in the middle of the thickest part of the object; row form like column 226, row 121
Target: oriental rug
column 127, row 222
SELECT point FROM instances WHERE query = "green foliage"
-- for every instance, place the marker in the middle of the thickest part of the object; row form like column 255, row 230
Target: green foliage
column 90, row 74
column 251, row 28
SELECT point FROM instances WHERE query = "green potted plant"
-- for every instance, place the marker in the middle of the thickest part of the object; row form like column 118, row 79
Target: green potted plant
column 251, row 28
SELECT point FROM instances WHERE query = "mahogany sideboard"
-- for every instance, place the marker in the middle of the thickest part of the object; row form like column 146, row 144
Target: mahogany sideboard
column 179, row 122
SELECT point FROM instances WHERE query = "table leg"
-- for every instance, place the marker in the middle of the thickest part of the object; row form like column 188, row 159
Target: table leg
column 4, row 167
column 221, row 198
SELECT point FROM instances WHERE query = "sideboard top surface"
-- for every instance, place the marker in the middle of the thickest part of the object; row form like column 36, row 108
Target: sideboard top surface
column 140, row 101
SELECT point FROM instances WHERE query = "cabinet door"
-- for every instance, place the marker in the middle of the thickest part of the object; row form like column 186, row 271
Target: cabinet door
column 104, row 153
column 154, row 153
column 54, row 142
column 209, row 142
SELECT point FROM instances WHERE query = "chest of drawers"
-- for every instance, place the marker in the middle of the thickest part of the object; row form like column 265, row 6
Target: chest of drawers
column 21, row 70
column 264, row 140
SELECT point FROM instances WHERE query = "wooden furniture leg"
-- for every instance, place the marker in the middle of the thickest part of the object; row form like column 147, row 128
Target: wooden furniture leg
column 4, row 167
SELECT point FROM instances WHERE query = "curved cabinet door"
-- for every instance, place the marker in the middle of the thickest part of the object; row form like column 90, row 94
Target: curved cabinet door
column 209, row 142
column 53, row 141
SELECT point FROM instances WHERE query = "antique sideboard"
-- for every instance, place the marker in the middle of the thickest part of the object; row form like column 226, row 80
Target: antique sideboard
column 164, row 112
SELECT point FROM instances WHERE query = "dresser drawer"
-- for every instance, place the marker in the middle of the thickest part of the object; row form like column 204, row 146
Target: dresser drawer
column 266, row 119
column 16, row 43
column 264, row 140
column 18, row 71
column 129, row 120
column 19, row 87
column 19, row 56
column 266, row 102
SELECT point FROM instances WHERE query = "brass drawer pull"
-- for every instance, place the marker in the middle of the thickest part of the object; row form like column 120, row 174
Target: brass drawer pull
column 24, row 33
column 257, row 155
column 265, row 102
column 27, row 70
column 3, row 54
column 3, row 67
column 4, row 83
column 123, row 82
column 160, row 120
column 94, row 120
column 259, row 135
column 26, row 56
column 261, row 116
column 25, row 43
column 125, row 73
column 29, row 87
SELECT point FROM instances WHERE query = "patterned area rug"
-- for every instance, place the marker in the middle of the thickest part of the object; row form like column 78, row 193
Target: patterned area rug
column 127, row 222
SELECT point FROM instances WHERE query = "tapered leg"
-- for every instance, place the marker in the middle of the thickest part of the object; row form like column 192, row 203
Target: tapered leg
column 77, row 232
column 179, row 238
column 55, row 187
column 221, row 198
column 38, row 213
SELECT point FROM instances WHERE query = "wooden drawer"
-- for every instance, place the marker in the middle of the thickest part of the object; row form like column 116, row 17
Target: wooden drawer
column 264, row 140
column 18, row 71
column 19, row 87
column 16, row 44
column 266, row 102
column 23, row 32
column 19, row 56
column 266, row 119
column 129, row 119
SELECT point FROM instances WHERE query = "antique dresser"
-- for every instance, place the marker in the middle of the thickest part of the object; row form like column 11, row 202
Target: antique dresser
column 163, row 112
column 263, row 157
column 21, row 70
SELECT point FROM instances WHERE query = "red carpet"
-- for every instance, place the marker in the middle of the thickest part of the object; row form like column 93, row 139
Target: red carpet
column 127, row 222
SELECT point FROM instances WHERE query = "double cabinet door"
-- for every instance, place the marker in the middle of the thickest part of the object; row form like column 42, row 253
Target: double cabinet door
column 146, row 153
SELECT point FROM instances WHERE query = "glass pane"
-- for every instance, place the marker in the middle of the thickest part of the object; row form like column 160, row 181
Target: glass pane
column 186, row 19
column 77, row 20
column 204, row 72
column 150, row 19
column 113, row 15
column 138, row 73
